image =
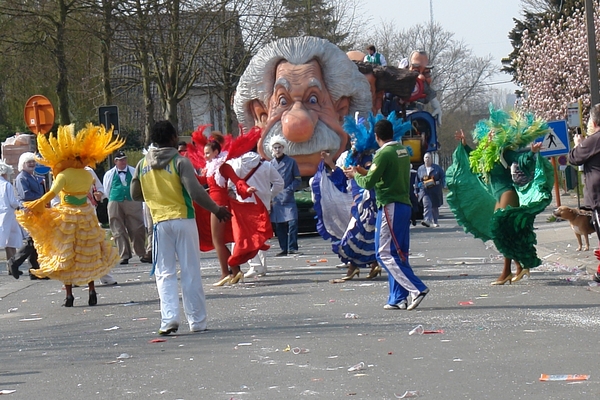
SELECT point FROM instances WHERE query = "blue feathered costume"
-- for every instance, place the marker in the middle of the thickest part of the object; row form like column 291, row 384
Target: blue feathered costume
column 347, row 217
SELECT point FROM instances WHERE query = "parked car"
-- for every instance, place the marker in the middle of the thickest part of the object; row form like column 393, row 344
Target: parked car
column 307, row 222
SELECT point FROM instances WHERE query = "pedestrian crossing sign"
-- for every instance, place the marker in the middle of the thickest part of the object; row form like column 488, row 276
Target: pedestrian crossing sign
column 556, row 141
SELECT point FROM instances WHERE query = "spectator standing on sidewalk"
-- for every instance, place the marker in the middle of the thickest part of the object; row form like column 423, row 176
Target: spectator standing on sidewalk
column 125, row 216
column 29, row 187
column 587, row 153
column 11, row 235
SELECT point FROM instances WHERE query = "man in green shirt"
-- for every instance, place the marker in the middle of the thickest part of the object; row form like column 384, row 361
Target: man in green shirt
column 389, row 175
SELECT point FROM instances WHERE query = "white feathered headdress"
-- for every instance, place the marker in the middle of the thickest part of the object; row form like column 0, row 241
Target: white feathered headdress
column 5, row 169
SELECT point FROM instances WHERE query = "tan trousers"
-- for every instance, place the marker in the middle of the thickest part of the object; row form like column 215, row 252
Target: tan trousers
column 149, row 229
column 126, row 221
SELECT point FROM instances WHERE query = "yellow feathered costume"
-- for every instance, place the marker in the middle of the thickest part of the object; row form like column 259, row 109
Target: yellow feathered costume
column 71, row 245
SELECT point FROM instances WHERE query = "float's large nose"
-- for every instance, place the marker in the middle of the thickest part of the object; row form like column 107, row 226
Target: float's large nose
column 297, row 125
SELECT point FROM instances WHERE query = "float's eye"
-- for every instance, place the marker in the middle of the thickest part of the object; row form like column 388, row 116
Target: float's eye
column 313, row 99
column 282, row 101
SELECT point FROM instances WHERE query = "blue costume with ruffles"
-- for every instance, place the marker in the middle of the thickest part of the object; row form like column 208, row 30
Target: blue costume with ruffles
column 348, row 219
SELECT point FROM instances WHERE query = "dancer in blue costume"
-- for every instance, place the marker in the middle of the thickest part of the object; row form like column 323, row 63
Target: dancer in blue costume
column 347, row 216
column 504, row 211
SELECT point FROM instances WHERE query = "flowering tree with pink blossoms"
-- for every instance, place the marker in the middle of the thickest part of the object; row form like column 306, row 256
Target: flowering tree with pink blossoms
column 552, row 67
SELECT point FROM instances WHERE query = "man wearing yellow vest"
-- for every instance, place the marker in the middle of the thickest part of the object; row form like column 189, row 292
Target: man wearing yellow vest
column 166, row 181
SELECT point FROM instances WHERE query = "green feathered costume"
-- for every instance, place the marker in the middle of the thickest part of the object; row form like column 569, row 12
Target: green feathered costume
column 477, row 178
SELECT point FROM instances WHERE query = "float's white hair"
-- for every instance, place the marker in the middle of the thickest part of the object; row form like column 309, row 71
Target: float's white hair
column 342, row 77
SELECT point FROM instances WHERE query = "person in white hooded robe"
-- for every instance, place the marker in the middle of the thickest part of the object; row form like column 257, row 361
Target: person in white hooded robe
column 11, row 236
column 265, row 183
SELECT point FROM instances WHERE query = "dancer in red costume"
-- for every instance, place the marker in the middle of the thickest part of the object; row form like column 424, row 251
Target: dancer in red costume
column 210, row 156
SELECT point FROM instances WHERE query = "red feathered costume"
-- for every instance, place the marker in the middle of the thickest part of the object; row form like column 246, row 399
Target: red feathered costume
column 250, row 226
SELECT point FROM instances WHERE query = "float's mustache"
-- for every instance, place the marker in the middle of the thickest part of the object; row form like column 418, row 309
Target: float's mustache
column 323, row 138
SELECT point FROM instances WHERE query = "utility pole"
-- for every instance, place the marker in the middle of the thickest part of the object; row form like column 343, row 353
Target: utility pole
column 592, row 53
column 431, row 12
column 430, row 26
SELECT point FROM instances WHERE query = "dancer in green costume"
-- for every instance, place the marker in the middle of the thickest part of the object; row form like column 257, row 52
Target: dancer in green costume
column 504, row 211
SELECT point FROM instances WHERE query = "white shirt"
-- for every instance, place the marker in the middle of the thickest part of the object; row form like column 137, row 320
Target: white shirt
column 108, row 177
column 369, row 58
column 267, row 180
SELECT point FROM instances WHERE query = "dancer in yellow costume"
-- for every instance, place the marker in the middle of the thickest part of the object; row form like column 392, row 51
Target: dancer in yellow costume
column 71, row 245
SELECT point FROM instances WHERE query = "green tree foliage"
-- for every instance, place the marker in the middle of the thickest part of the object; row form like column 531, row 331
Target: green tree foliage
column 46, row 51
column 146, row 57
column 310, row 18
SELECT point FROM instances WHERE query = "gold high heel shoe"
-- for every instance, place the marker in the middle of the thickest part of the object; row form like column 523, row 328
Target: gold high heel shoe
column 503, row 281
column 376, row 270
column 239, row 277
column 355, row 271
column 520, row 275
column 223, row 281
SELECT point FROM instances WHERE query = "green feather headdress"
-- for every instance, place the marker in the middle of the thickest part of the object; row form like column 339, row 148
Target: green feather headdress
column 503, row 130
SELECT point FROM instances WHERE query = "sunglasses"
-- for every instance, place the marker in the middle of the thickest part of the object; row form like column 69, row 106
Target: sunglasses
column 423, row 70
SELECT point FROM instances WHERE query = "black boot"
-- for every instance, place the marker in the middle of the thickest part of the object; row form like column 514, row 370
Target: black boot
column 34, row 277
column 69, row 301
column 146, row 258
column 93, row 300
column 14, row 269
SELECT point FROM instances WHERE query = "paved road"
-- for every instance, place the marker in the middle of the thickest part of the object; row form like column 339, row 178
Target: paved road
column 495, row 348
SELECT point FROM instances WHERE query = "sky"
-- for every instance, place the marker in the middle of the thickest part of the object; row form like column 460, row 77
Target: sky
column 482, row 24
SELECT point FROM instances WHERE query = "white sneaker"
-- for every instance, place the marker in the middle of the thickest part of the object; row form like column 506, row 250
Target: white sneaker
column 436, row 225
column 251, row 273
column 417, row 300
column 400, row 306
column 108, row 280
column 198, row 328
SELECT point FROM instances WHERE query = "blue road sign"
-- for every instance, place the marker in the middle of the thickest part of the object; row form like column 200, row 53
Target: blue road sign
column 555, row 142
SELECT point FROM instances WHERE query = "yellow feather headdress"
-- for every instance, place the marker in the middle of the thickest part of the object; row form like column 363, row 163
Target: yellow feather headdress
column 66, row 149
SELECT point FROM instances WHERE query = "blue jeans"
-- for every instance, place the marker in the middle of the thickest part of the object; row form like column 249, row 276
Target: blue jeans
column 287, row 235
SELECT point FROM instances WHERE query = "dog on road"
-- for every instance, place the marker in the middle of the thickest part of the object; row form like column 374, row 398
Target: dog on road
column 581, row 223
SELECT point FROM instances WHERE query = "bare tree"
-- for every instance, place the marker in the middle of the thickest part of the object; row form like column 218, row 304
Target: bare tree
column 239, row 40
column 550, row 6
column 99, row 21
column 48, row 25
column 351, row 21
column 385, row 38
column 132, row 58
column 459, row 76
column 178, row 45
column 181, row 31
column 17, row 44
